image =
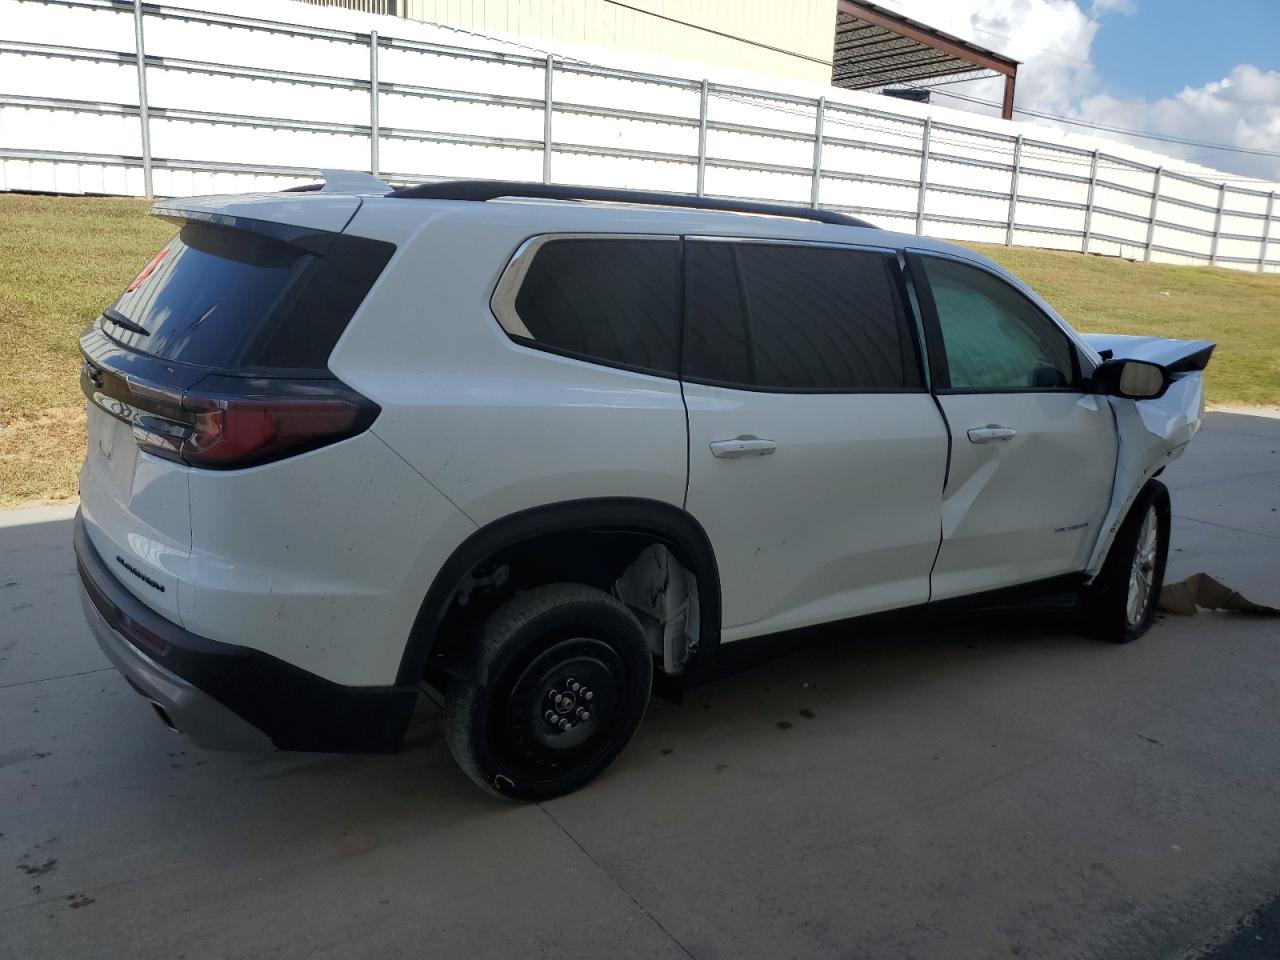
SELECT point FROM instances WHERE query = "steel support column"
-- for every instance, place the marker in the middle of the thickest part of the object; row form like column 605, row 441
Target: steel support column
column 547, row 107
column 1217, row 226
column 817, row 151
column 1088, row 203
column 374, row 134
column 144, row 114
column 702, row 142
column 924, row 175
column 1266, row 231
column 1151, row 222
column 1013, row 192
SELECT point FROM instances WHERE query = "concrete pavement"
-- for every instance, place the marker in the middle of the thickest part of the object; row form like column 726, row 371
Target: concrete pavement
column 990, row 788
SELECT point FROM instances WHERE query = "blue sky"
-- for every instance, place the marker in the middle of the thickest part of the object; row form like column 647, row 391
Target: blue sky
column 1165, row 45
column 1207, row 70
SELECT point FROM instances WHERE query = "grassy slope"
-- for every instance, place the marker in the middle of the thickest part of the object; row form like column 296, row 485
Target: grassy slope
column 1241, row 311
column 63, row 259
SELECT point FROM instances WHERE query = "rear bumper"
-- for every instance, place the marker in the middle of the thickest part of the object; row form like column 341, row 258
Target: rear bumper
column 187, row 709
column 229, row 697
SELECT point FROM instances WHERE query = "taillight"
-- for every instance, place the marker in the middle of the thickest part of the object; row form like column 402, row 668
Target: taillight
column 226, row 423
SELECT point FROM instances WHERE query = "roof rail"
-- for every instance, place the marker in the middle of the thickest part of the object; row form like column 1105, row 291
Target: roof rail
column 481, row 190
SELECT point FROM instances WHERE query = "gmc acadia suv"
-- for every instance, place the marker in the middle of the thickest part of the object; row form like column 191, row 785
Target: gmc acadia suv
column 529, row 444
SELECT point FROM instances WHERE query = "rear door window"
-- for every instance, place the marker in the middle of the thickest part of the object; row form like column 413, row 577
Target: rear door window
column 234, row 299
column 608, row 300
column 797, row 317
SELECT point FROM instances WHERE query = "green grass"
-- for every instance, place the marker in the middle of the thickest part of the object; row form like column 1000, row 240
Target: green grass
column 1238, row 310
column 63, row 259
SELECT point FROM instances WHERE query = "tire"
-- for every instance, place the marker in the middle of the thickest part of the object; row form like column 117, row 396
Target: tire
column 1121, row 603
column 523, row 733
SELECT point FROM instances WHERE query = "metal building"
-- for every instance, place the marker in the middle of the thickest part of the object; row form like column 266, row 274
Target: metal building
column 875, row 48
column 845, row 43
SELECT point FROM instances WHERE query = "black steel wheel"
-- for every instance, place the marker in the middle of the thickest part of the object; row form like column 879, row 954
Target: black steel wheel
column 562, row 684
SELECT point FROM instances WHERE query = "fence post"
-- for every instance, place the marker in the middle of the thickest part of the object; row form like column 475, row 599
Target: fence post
column 1151, row 223
column 144, row 113
column 1266, row 232
column 1217, row 226
column 1088, row 203
column 1013, row 191
column 702, row 142
column 546, row 119
column 817, row 151
column 924, row 174
column 375, row 134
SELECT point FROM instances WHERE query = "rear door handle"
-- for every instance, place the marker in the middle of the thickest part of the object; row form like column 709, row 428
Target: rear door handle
column 992, row 431
column 743, row 446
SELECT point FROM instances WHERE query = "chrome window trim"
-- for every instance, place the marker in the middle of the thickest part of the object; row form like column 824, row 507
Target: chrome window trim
column 503, row 300
column 790, row 241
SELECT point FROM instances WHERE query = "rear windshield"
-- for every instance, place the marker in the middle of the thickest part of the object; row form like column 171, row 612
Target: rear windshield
column 237, row 299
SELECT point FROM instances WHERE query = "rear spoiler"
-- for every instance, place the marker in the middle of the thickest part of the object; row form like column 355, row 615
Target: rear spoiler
column 1176, row 356
column 280, row 214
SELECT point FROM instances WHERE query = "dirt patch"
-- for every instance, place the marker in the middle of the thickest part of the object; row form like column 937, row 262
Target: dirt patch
column 40, row 456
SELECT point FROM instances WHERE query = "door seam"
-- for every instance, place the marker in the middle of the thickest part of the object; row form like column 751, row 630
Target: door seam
column 942, row 494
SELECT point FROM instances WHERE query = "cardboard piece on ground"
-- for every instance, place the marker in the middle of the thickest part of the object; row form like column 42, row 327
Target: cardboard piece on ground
column 1202, row 591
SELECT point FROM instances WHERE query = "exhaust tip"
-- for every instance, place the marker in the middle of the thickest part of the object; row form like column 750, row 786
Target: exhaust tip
column 164, row 716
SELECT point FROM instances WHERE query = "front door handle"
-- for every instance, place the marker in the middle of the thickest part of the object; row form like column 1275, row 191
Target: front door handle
column 743, row 446
column 992, row 431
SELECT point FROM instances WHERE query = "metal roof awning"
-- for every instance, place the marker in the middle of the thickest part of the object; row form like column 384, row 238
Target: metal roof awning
column 875, row 48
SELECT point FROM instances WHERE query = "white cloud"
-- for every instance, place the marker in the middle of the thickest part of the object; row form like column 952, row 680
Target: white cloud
column 1241, row 109
column 1052, row 39
column 1114, row 6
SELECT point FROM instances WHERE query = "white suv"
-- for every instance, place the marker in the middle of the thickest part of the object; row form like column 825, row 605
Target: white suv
column 527, row 444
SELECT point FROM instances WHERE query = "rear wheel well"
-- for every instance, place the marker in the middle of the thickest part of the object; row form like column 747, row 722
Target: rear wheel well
column 586, row 541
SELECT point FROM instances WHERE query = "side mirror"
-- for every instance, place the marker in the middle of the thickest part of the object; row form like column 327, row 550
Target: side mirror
column 1131, row 379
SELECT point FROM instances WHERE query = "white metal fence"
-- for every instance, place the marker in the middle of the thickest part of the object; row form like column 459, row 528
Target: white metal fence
column 127, row 97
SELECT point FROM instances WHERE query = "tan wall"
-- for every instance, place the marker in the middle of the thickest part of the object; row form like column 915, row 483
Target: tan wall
column 802, row 26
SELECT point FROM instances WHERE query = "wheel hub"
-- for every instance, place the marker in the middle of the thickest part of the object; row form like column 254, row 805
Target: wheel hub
column 569, row 704
column 562, row 700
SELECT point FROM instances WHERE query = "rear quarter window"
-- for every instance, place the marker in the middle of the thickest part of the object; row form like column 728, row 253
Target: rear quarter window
column 608, row 300
column 234, row 299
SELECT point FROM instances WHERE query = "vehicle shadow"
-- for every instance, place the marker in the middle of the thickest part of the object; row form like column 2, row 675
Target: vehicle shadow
column 122, row 812
column 54, row 677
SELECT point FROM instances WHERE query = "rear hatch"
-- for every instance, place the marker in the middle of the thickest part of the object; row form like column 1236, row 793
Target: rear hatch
column 215, row 358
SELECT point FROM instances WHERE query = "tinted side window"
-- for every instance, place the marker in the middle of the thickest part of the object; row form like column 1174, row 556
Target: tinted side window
column 231, row 298
column 995, row 338
column 323, row 305
column 796, row 317
column 604, row 299
column 718, row 348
